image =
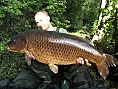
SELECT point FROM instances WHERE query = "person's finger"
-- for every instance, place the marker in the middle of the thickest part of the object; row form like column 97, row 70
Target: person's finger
column 87, row 62
column 80, row 60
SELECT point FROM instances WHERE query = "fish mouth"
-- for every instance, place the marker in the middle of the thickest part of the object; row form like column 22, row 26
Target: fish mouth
column 7, row 47
column 14, row 50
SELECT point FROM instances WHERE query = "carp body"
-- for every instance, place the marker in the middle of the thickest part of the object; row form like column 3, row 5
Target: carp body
column 55, row 49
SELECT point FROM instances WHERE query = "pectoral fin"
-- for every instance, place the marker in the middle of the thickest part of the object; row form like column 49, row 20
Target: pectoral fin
column 54, row 68
column 28, row 60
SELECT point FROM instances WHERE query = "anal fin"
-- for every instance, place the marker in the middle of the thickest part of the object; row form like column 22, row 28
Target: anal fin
column 103, row 70
column 54, row 68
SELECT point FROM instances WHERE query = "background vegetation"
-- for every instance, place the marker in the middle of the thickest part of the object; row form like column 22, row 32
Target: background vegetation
column 80, row 16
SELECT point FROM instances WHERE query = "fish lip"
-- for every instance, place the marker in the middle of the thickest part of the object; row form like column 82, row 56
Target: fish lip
column 7, row 47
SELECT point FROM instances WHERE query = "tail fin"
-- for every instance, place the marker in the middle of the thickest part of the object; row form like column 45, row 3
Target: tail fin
column 108, row 61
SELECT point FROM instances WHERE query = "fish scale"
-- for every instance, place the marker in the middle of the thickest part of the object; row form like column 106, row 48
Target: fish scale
column 54, row 48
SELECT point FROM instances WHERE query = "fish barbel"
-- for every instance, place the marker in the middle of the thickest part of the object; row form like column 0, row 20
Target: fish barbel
column 55, row 49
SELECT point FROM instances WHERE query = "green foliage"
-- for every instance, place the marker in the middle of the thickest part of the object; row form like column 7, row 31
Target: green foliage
column 107, row 25
column 56, row 9
column 81, row 13
column 11, row 6
column 10, row 64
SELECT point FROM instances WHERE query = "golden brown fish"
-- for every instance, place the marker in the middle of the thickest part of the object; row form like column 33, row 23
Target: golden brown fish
column 54, row 49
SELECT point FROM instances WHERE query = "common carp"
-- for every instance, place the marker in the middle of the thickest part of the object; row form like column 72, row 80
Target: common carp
column 55, row 49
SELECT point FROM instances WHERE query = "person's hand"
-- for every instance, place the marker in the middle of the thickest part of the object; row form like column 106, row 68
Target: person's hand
column 29, row 55
column 81, row 60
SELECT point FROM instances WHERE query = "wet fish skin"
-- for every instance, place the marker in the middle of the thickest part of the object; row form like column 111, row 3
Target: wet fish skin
column 54, row 48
